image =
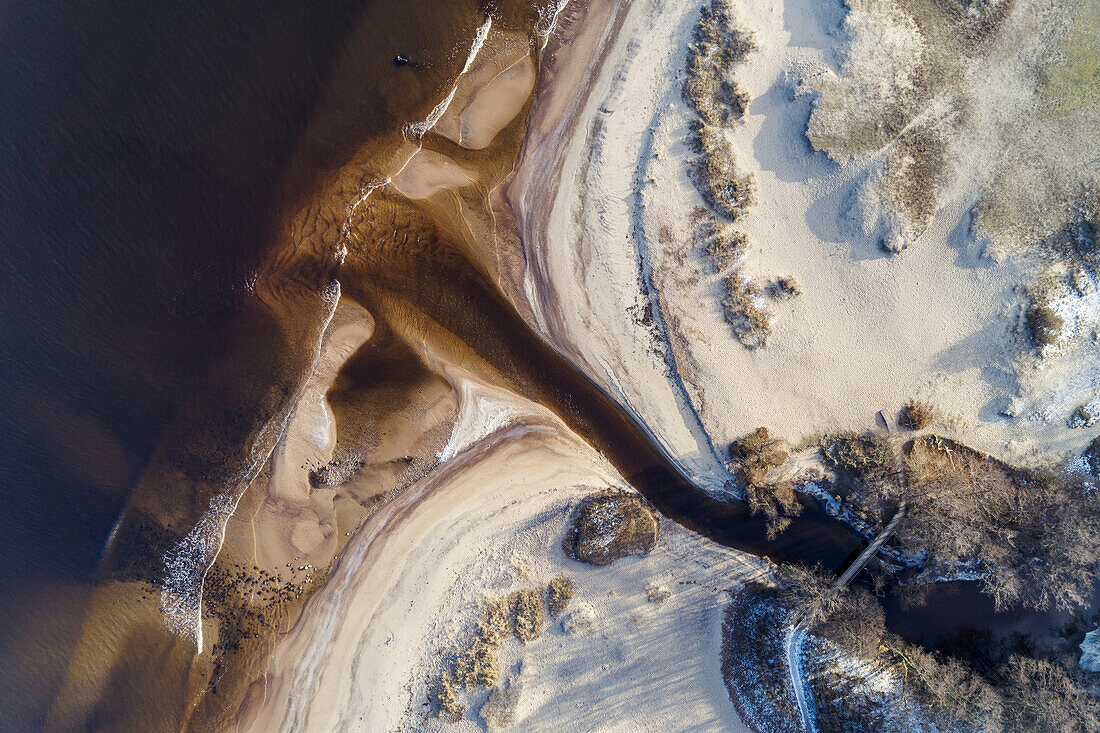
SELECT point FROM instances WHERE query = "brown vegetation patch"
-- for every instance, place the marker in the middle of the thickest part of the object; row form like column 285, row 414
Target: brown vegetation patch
column 611, row 526
column 723, row 244
column 754, row 457
column 751, row 324
column 499, row 710
column 477, row 665
column 1043, row 325
column 718, row 45
column 1032, row 537
column 785, row 287
column 716, row 175
column 558, row 594
column 528, row 615
column 915, row 416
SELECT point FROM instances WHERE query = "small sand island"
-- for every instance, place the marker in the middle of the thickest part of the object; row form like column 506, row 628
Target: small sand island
column 612, row 362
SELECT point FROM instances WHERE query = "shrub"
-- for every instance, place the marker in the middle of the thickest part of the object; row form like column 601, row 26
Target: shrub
column 528, row 614
column 722, row 185
column 785, row 287
column 1043, row 325
column 751, row 324
column 448, row 705
column 611, row 526
column 558, row 594
column 915, row 416
column 723, row 244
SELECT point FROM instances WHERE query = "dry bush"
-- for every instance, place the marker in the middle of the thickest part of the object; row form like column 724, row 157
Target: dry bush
column 611, row 526
column 527, row 613
column 723, row 244
column 751, row 324
column 558, row 594
column 448, row 705
column 754, row 456
column 864, row 464
column 1043, row 325
column 715, row 172
column 717, row 46
column 477, row 664
column 785, row 287
column 915, row 416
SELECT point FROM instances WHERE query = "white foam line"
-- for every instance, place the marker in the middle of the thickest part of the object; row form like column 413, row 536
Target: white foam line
column 417, row 131
column 181, row 602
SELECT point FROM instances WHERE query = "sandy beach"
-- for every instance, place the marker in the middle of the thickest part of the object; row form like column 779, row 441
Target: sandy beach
column 369, row 645
column 606, row 215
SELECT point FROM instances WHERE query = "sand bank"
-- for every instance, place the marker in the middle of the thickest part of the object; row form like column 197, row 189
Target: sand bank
column 367, row 650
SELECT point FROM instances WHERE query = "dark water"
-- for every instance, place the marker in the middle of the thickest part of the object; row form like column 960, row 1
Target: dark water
column 146, row 149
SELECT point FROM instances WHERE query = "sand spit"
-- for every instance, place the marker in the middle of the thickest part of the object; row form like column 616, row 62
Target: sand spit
column 605, row 205
column 366, row 652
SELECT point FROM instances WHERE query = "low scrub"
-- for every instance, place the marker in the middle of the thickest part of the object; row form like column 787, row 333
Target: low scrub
column 915, row 416
column 754, row 457
column 609, row 527
column 751, row 323
column 558, row 594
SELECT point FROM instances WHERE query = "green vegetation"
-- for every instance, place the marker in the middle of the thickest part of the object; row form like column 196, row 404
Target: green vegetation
column 611, row 526
column 1072, row 81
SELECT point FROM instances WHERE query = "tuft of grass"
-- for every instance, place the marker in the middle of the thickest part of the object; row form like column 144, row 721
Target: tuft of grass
column 722, row 244
column 499, row 710
column 785, row 287
column 477, row 664
column 528, row 616
column 728, row 191
column 448, row 705
column 558, row 594
column 915, row 416
column 657, row 594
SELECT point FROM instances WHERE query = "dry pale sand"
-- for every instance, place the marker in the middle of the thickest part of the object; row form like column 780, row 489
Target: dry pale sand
column 369, row 645
column 603, row 198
